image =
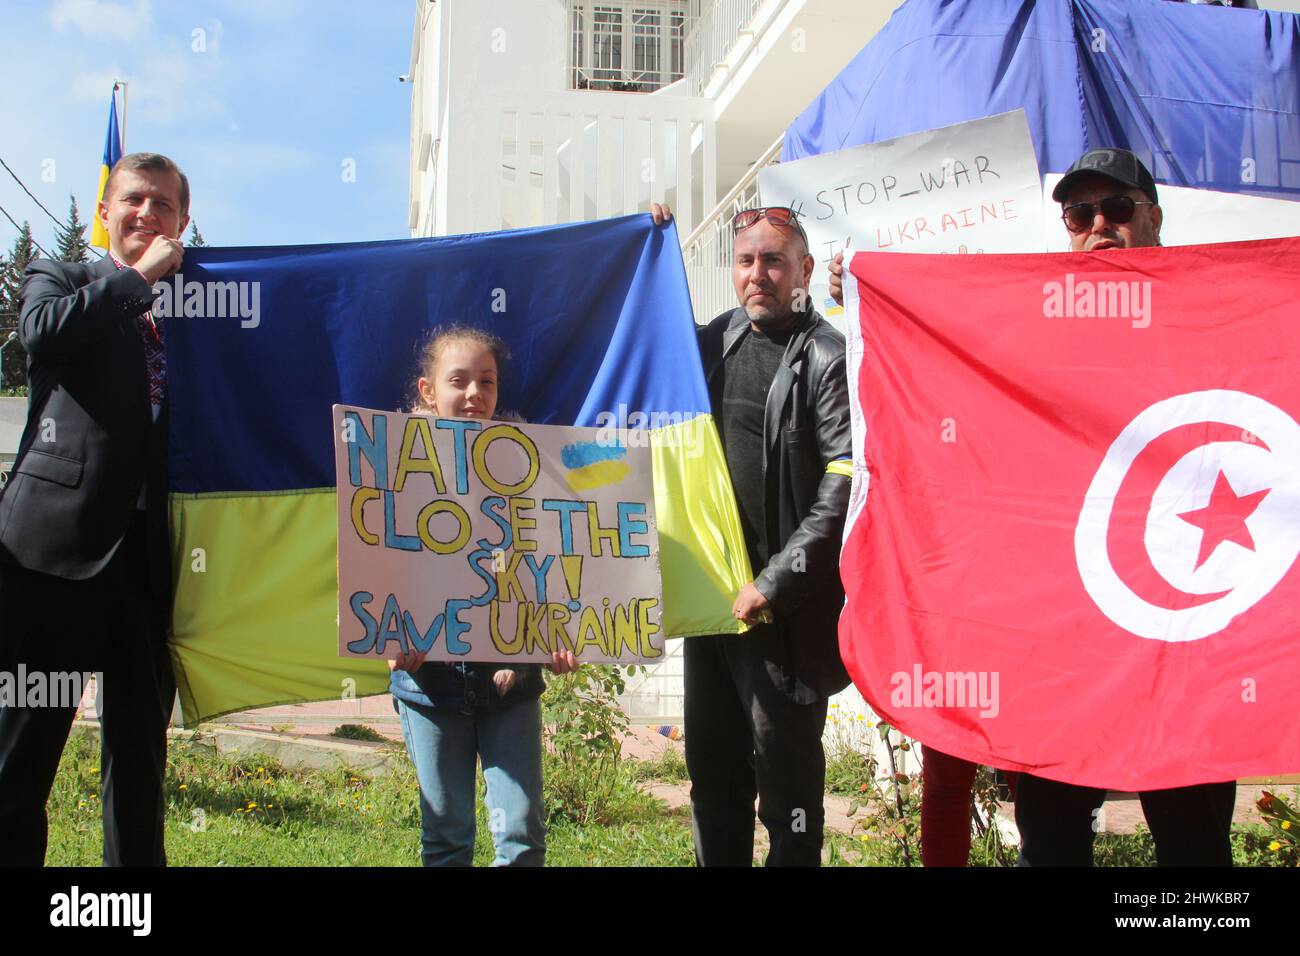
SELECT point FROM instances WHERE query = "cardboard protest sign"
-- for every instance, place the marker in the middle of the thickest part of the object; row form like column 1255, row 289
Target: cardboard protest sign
column 970, row 187
column 493, row 541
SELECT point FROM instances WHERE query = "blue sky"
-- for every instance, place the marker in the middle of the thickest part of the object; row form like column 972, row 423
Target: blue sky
column 261, row 109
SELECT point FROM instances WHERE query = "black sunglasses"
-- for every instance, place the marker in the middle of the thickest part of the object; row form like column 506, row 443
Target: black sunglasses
column 777, row 215
column 1079, row 216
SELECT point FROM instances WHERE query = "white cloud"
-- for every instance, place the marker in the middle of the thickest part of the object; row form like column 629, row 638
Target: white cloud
column 175, row 87
column 95, row 87
column 104, row 19
column 169, row 88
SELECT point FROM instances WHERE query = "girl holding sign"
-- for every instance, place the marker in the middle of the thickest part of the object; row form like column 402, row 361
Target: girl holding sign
column 455, row 713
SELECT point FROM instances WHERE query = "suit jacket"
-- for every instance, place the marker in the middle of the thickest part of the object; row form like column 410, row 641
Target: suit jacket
column 90, row 443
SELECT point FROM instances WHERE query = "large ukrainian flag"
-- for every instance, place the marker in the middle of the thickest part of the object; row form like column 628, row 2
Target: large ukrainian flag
column 112, row 153
column 598, row 318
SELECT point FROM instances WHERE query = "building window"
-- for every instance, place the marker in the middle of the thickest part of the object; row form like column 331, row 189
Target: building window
column 637, row 46
column 607, row 43
column 647, row 36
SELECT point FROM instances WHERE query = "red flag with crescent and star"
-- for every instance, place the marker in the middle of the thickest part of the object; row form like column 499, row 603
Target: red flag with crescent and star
column 1075, row 517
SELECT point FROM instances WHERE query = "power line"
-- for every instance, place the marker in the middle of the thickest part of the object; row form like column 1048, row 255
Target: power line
column 61, row 232
column 20, row 229
column 57, row 224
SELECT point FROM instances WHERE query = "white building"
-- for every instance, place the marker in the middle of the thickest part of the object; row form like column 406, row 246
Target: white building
column 535, row 112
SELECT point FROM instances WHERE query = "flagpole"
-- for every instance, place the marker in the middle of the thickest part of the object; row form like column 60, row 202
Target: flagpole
column 121, row 84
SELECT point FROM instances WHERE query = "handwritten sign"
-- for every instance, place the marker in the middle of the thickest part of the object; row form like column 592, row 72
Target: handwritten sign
column 493, row 541
column 971, row 187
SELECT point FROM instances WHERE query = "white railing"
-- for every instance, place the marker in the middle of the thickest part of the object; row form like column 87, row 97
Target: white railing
column 719, row 28
column 546, row 157
column 657, row 691
column 707, row 250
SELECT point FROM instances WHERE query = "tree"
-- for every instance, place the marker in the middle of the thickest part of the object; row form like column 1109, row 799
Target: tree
column 196, row 237
column 8, row 317
column 11, row 278
column 11, row 285
column 73, row 246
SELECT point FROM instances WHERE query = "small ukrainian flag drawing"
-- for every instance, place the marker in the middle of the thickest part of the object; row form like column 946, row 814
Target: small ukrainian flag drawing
column 593, row 464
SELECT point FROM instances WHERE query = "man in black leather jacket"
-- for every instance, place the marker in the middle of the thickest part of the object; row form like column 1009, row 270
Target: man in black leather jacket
column 756, row 702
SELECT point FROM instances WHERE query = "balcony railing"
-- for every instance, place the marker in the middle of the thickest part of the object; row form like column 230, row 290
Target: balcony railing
column 719, row 28
column 545, row 157
column 622, row 46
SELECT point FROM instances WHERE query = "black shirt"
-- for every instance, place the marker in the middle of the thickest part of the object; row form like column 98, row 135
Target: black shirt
column 747, row 375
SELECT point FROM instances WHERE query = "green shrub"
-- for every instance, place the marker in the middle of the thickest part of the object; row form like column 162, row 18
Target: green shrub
column 584, row 726
column 359, row 732
column 889, row 831
column 1282, row 845
column 890, row 806
column 849, row 774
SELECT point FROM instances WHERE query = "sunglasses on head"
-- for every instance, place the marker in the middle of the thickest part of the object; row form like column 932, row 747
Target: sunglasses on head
column 777, row 215
column 1079, row 216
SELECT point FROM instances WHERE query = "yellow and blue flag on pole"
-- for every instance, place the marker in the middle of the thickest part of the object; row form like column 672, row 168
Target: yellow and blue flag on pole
column 597, row 317
column 112, row 153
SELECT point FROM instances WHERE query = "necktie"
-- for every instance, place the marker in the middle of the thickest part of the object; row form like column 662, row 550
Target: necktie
column 154, row 355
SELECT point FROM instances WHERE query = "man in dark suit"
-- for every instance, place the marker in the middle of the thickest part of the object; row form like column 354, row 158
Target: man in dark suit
column 84, row 572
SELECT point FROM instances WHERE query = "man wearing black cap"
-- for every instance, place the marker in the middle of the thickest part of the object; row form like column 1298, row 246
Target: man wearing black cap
column 1109, row 201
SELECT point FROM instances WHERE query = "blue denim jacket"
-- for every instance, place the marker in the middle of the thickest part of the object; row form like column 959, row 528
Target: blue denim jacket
column 466, row 685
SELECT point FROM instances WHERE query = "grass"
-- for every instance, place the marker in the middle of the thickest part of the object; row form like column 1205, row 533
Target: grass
column 246, row 812
column 668, row 767
column 848, row 773
column 250, row 811
column 1249, row 848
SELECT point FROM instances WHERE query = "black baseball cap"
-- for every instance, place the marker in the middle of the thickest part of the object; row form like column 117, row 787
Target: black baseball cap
column 1113, row 163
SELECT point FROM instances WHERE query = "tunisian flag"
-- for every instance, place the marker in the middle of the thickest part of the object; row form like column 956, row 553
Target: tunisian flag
column 1072, row 541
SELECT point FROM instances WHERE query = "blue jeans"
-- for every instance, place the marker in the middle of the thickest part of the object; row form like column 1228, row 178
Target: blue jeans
column 443, row 744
